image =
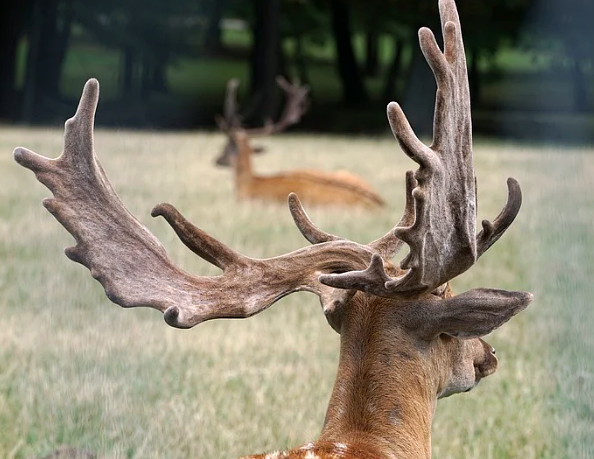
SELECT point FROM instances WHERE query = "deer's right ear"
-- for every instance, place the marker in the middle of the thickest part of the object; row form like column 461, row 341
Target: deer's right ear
column 472, row 314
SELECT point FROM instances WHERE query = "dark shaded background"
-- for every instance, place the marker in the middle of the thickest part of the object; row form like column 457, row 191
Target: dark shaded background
column 164, row 64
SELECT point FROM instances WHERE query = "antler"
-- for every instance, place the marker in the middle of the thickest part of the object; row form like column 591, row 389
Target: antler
column 387, row 246
column 442, row 237
column 296, row 104
column 231, row 117
column 133, row 266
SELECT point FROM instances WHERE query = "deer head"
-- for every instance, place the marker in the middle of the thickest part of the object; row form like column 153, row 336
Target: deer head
column 296, row 104
column 406, row 339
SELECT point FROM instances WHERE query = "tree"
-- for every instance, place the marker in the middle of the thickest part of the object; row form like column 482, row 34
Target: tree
column 487, row 25
column 265, row 59
column 13, row 20
column 353, row 89
column 564, row 30
column 303, row 21
column 213, row 40
column 149, row 33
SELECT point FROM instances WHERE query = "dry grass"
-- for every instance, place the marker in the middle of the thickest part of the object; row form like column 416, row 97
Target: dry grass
column 77, row 370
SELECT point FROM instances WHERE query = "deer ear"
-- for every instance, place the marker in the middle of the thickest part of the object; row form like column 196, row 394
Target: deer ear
column 474, row 313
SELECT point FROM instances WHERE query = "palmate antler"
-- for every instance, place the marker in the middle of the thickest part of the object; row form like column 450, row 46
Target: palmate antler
column 441, row 237
column 133, row 266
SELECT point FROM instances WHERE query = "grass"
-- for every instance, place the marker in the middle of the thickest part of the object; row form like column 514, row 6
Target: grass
column 77, row 370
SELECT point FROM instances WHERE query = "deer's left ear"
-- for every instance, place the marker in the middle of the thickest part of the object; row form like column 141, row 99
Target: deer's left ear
column 472, row 314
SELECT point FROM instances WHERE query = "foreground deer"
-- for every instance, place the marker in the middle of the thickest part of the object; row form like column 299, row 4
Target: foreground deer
column 406, row 339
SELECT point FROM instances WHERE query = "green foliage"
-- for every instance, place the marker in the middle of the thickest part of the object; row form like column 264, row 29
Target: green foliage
column 153, row 27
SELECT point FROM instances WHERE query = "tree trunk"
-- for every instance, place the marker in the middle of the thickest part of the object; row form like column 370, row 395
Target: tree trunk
column 580, row 93
column 30, row 90
column 153, row 76
column 146, row 76
column 127, row 75
column 419, row 95
column 213, row 39
column 12, row 18
column 159, row 77
column 353, row 89
column 372, row 51
column 8, row 96
column 48, row 42
column 300, row 65
column 474, row 78
column 389, row 92
column 58, row 38
column 264, row 60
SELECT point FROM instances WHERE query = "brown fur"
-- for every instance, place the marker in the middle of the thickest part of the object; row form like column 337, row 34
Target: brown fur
column 320, row 450
column 314, row 187
column 388, row 383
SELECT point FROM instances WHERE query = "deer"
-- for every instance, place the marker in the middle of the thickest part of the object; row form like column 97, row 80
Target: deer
column 406, row 339
column 340, row 188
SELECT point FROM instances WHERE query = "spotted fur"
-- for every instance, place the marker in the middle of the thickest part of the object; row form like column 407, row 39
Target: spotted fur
column 319, row 450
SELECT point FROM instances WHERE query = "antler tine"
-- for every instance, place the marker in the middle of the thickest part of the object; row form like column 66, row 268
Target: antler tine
column 132, row 265
column 78, row 134
column 493, row 231
column 308, row 228
column 296, row 104
column 199, row 242
column 371, row 280
column 441, row 235
column 231, row 115
column 389, row 245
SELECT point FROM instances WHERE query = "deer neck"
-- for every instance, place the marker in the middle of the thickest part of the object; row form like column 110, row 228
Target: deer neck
column 384, row 396
column 244, row 174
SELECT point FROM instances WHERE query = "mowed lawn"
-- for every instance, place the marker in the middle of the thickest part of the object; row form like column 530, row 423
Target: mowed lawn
column 77, row 370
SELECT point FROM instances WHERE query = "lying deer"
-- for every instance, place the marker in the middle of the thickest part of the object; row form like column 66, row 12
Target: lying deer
column 406, row 339
column 314, row 187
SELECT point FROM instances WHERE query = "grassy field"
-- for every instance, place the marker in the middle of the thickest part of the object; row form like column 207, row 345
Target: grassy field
column 77, row 370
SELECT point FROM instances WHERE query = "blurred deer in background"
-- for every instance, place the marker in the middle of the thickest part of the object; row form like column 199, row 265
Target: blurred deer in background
column 406, row 339
column 314, row 187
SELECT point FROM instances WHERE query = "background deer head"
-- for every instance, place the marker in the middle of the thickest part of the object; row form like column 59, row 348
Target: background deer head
column 406, row 339
column 296, row 104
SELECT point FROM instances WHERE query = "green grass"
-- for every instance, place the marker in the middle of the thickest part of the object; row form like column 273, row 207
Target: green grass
column 77, row 370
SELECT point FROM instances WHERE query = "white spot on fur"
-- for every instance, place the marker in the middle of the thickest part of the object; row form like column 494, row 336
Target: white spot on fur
column 307, row 447
column 311, row 455
column 341, row 446
column 274, row 455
